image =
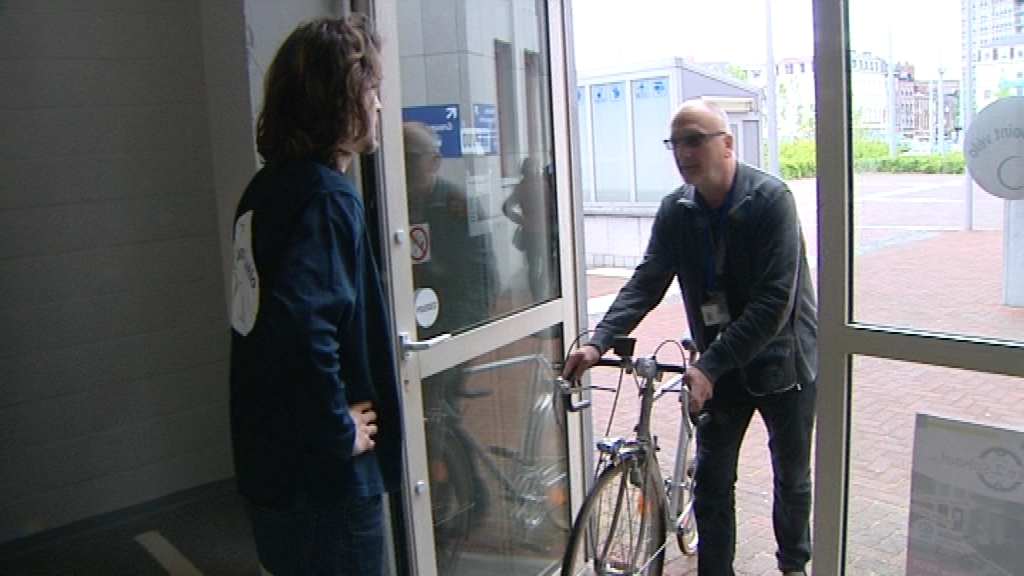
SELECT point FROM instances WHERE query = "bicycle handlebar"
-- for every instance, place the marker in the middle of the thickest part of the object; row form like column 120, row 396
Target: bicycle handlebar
column 616, row 362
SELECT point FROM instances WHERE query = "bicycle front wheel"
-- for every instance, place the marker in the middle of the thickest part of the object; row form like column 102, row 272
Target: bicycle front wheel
column 621, row 526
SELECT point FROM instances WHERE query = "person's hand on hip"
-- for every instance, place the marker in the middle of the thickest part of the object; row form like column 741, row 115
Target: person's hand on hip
column 366, row 427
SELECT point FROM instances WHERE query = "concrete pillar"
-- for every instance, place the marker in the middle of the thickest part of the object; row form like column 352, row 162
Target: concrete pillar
column 1013, row 253
column 240, row 38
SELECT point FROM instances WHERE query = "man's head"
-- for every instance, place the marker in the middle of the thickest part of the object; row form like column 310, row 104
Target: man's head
column 320, row 93
column 422, row 159
column 703, row 146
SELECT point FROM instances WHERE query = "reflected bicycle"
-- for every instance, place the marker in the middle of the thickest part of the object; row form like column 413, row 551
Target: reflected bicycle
column 532, row 480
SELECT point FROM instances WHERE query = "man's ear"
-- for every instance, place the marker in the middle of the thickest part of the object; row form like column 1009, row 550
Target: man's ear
column 728, row 145
column 435, row 163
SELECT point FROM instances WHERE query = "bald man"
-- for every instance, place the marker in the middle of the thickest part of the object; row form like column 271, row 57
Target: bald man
column 731, row 237
column 461, row 267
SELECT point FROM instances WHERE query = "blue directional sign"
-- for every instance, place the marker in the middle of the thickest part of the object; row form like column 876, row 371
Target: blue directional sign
column 485, row 124
column 642, row 89
column 659, row 86
column 616, row 91
column 445, row 121
column 600, row 93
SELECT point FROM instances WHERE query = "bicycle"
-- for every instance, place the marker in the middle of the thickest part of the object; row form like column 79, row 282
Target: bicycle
column 622, row 525
column 534, row 482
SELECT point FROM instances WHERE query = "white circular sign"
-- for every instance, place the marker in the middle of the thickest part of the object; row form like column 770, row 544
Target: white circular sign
column 994, row 148
column 427, row 307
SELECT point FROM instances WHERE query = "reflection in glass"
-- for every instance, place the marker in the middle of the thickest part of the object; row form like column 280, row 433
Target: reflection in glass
column 531, row 207
column 479, row 160
column 454, row 268
column 498, row 461
column 921, row 495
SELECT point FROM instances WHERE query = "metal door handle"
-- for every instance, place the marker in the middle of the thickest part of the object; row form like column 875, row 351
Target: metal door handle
column 409, row 345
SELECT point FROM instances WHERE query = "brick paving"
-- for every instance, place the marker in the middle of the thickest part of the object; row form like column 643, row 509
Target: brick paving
column 942, row 280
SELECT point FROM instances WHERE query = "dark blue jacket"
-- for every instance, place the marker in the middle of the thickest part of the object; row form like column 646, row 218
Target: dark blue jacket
column 770, row 345
column 311, row 336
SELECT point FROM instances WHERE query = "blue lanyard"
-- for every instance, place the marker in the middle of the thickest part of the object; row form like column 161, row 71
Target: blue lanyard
column 715, row 246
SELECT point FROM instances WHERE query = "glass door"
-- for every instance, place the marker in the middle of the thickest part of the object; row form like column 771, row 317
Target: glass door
column 920, row 439
column 478, row 232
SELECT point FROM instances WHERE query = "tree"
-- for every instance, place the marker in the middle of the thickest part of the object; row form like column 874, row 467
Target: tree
column 737, row 72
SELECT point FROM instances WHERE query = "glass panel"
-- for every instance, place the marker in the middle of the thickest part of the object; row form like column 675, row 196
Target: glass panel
column 930, row 244
column 611, row 149
column 498, row 461
column 480, row 174
column 936, row 481
column 655, row 169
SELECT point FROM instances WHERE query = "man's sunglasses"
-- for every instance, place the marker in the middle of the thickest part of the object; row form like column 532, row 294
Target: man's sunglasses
column 690, row 140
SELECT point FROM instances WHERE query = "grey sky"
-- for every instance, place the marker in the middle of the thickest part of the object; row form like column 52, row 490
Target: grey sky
column 733, row 30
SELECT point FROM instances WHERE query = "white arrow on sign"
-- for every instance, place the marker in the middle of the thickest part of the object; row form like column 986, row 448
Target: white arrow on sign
column 451, row 112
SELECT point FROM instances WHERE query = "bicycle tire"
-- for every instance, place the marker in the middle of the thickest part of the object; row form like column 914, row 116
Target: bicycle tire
column 686, row 529
column 609, row 537
column 453, row 493
column 687, row 536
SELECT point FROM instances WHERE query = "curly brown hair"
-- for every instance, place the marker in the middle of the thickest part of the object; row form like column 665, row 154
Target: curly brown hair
column 315, row 93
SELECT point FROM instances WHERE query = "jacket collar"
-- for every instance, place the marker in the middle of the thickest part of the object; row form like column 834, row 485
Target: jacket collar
column 739, row 192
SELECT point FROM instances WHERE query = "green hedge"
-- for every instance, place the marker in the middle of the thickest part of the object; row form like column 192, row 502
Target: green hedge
column 797, row 160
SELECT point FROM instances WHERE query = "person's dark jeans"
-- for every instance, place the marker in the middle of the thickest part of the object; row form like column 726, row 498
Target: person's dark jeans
column 340, row 538
column 789, row 418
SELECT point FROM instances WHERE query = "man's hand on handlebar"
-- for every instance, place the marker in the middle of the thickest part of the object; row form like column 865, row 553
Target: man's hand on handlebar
column 701, row 388
column 579, row 361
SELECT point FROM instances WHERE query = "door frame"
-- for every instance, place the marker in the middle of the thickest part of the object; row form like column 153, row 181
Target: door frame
column 840, row 338
column 567, row 309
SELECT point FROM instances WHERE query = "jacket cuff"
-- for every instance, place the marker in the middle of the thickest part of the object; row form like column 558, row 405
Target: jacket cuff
column 602, row 341
column 714, row 363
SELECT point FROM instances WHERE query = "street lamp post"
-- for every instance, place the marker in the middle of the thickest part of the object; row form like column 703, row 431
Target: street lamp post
column 892, row 105
column 770, row 94
column 940, row 112
column 967, row 98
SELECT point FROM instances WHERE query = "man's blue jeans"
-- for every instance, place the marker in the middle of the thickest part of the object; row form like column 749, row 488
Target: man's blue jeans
column 789, row 418
column 337, row 538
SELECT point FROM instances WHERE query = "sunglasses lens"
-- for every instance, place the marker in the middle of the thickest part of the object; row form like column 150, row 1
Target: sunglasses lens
column 692, row 140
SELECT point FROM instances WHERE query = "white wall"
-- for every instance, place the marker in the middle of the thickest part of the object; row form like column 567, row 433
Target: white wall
column 126, row 140
column 113, row 356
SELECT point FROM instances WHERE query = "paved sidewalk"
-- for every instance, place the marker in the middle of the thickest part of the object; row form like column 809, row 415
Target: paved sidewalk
column 944, row 281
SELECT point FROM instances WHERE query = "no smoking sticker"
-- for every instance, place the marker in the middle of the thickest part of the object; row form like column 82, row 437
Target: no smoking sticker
column 419, row 240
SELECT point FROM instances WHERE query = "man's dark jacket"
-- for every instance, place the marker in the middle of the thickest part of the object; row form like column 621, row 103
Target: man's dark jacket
column 771, row 343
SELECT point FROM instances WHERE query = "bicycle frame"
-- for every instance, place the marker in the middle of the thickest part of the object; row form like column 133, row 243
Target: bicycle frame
column 647, row 370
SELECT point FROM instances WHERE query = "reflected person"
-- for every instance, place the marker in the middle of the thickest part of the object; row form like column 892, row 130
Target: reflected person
column 731, row 237
column 457, row 261
column 315, row 420
column 530, row 208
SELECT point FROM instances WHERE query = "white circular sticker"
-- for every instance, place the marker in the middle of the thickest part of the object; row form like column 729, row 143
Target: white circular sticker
column 994, row 148
column 427, row 307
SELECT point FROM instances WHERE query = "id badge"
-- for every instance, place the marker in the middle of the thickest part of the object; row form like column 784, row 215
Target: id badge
column 715, row 310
